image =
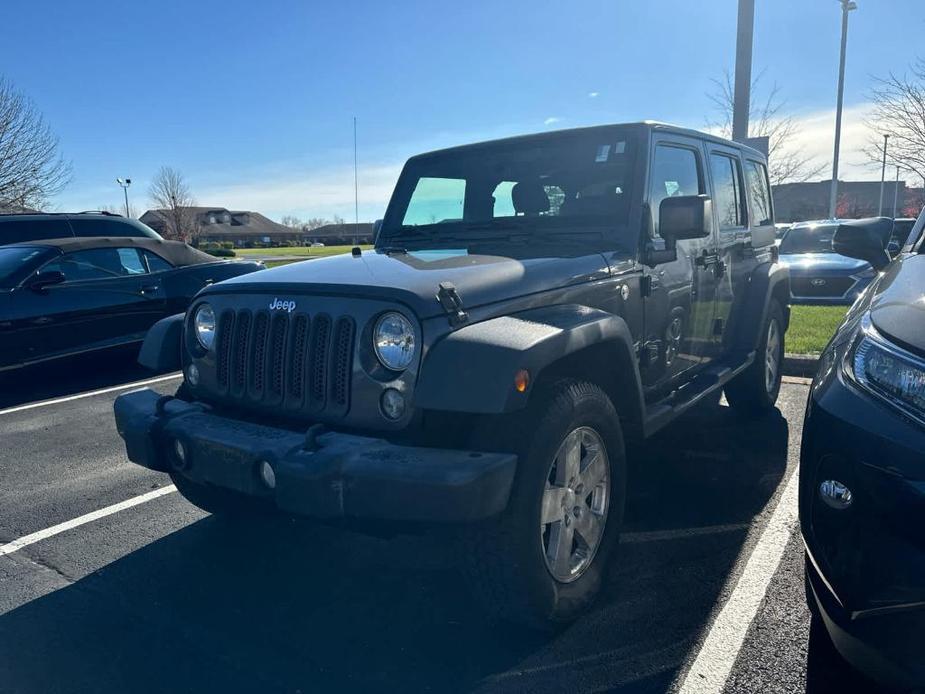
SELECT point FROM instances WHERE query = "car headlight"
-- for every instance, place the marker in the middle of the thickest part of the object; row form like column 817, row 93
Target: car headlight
column 204, row 324
column 888, row 371
column 393, row 340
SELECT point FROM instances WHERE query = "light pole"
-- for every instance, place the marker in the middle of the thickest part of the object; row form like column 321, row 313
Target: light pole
column 741, row 99
column 125, row 183
column 882, row 175
column 895, row 192
column 846, row 7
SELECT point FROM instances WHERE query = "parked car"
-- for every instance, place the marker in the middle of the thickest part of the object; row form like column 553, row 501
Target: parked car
column 19, row 228
column 862, row 467
column 902, row 227
column 530, row 305
column 60, row 297
column 819, row 275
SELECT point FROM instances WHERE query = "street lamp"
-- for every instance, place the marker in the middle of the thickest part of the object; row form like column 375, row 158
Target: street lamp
column 896, row 192
column 846, row 7
column 125, row 183
column 882, row 175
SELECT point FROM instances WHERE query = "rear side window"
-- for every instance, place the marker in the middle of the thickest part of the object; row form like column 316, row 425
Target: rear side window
column 155, row 262
column 727, row 191
column 95, row 226
column 675, row 173
column 98, row 264
column 34, row 230
column 760, row 192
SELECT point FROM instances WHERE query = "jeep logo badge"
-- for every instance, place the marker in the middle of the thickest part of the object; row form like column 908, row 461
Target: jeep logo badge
column 277, row 305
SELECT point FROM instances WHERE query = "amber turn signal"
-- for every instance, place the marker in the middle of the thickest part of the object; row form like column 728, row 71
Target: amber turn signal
column 522, row 380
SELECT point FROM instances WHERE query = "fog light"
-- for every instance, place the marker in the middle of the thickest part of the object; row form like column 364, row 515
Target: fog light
column 836, row 494
column 267, row 475
column 179, row 449
column 192, row 375
column 392, row 403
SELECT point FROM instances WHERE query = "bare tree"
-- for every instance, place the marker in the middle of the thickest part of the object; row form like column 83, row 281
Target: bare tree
column 120, row 210
column 786, row 163
column 31, row 170
column 314, row 223
column 899, row 110
column 291, row 221
column 171, row 195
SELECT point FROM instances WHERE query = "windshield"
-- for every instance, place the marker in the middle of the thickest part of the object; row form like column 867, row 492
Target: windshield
column 569, row 183
column 811, row 239
column 16, row 263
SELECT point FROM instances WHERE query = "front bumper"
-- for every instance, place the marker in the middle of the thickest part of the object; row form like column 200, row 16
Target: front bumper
column 866, row 562
column 331, row 475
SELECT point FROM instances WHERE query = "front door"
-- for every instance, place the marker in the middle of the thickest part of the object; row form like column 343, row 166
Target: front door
column 680, row 305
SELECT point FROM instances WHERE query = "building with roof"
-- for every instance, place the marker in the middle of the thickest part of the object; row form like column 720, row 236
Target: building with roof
column 796, row 202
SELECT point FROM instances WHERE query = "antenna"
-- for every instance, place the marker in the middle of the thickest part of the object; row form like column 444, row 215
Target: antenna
column 356, row 186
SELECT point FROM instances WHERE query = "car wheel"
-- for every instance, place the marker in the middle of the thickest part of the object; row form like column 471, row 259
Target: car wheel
column 755, row 390
column 217, row 501
column 542, row 562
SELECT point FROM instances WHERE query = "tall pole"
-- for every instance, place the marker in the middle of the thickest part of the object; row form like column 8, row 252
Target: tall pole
column 741, row 100
column 896, row 192
column 356, row 186
column 125, row 183
column 882, row 175
column 846, row 7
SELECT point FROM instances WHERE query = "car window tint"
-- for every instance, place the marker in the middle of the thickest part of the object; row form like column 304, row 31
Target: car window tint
column 727, row 194
column 760, row 193
column 15, row 262
column 100, row 226
column 18, row 231
column 97, row 264
column 675, row 173
column 156, row 263
column 436, row 200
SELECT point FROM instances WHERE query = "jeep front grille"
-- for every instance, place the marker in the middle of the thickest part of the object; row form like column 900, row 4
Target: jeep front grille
column 294, row 361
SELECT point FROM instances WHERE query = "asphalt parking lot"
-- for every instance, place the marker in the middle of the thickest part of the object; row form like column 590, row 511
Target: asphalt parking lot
column 706, row 593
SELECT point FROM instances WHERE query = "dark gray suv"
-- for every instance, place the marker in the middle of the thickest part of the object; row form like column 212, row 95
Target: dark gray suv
column 532, row 305
column 22, row 228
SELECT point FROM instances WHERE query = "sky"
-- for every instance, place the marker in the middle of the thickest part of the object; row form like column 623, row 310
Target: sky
column 254, row 101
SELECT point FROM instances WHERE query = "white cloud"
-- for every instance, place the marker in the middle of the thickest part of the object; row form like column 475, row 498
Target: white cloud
column 551, row 120
column 815, row 137
column 593, row 95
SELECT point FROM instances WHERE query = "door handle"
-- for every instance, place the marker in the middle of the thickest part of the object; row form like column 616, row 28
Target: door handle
column 706, row 259
column 149, row 288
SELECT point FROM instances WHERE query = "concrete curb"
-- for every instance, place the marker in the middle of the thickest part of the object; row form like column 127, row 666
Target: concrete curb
column 803, row 365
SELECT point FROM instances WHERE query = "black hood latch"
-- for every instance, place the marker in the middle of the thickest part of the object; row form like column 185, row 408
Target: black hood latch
column 452, row 304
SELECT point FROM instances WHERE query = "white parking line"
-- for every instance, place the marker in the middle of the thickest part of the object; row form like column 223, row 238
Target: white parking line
column 719, row 651
column 91, row 393
column 31, row 539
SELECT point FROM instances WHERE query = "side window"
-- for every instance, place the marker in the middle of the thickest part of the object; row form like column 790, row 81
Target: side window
column 675, row 173
column 727, row 191
column 760, row 192
column 155, row 262
column 436, row 200
column 95, row 226
column 97, row 264
column 18, row 231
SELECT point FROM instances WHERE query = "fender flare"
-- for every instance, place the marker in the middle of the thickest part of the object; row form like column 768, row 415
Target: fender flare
column 472, row 369
column 162, row 348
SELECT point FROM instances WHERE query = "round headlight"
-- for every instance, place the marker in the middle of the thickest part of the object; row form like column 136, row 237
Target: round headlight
column 393, row 340
column 204, row 324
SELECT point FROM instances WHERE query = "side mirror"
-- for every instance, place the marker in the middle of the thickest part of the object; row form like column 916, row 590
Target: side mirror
column 864, row 239
column 377, row 227
column 685, row 217
column 39, row 281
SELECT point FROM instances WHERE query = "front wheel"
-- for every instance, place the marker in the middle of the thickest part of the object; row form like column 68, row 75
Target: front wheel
column 755, row 390
column 543, row 560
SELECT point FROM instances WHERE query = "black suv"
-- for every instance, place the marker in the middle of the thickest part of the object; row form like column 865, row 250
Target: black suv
column 532, row 307
column 20, row 228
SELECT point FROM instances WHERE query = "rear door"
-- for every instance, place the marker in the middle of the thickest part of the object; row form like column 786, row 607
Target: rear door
column 730, row 263
column 679, row 308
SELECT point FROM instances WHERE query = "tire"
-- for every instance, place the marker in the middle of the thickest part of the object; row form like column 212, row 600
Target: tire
column 755, row 390
column 218, row 501
column 510, row 565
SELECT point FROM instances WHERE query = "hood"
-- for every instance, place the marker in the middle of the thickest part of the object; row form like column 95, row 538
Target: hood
column 897, row 308
column 413, row 278
column 822, row 262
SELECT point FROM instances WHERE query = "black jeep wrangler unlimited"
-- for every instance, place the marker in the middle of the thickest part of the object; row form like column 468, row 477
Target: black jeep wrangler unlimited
column 531, row 308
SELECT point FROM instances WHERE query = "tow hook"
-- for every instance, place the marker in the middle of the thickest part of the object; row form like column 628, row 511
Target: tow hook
column 311, row 437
